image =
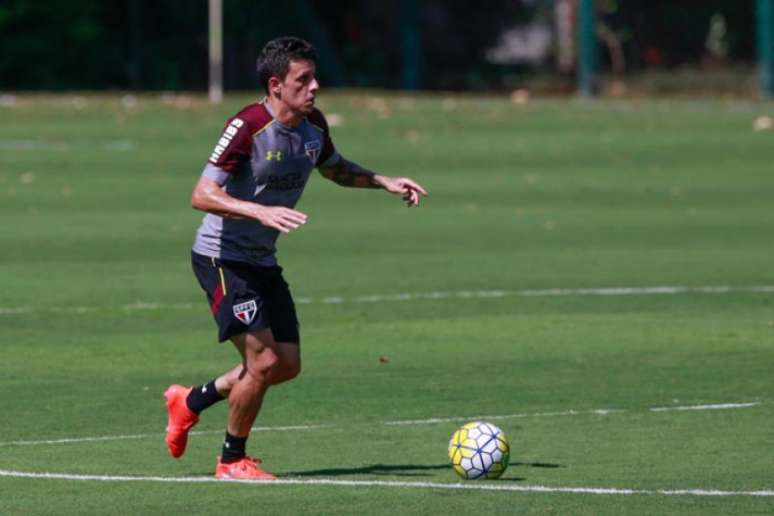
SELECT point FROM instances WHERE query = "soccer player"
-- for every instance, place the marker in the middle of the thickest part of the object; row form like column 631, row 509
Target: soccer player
column 249, row 187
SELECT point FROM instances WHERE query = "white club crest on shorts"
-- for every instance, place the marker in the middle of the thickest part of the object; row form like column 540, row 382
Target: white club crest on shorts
column 246, row 311
column 312, row 150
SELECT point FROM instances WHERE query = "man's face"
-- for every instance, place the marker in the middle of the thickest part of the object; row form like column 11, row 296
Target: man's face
column 299, row 87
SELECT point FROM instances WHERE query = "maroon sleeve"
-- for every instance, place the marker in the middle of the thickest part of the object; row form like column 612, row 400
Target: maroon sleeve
column 234, row 145
column 317, row 119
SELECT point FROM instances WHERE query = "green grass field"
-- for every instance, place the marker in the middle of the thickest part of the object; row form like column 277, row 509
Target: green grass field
column 532, row 209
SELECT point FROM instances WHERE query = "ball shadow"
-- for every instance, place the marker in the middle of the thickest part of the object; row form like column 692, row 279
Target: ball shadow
column 536, row 465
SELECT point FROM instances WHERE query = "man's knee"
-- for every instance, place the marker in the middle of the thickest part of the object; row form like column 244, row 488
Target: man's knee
column 260, row 366
column 287, row 369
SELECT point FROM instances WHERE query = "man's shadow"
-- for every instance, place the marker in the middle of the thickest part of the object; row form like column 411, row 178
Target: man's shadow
column 402, row 470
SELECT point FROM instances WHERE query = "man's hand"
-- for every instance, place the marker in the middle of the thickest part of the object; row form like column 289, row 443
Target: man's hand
column 407, row 188
column 278, row 217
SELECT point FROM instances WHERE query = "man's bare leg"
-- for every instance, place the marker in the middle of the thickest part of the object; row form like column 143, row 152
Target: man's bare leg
column 188, row 403
column 226, row 381
column 288, row 367
column 259, row 360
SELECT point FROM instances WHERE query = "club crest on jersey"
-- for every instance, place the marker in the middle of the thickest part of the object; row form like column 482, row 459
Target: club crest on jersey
column 312, row 150
column 246, row 311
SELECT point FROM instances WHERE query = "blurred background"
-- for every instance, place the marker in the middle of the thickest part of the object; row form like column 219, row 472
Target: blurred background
column 636, row 47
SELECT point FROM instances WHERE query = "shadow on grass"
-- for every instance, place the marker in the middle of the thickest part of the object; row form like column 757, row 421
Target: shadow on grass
column 535, row 465
column 403, row 470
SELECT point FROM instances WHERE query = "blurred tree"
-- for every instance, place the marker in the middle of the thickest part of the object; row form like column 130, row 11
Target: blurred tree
column 162, row 44
column 668, row 33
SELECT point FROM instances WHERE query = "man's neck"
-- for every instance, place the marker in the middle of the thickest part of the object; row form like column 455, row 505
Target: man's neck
column 282, row 113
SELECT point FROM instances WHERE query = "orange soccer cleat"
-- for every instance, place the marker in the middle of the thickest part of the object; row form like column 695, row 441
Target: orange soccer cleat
column 180, row 419
column 246, row 468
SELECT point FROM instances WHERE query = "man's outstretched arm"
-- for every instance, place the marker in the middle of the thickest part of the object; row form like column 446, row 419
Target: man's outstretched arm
column 348, row 173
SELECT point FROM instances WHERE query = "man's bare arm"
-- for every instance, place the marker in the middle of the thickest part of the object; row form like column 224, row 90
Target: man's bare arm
column 209, row 196
column 348, row 173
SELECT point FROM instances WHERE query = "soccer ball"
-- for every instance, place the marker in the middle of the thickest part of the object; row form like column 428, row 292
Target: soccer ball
column 479, row 450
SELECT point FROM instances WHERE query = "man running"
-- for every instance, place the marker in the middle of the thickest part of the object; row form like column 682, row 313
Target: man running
column 249, row 187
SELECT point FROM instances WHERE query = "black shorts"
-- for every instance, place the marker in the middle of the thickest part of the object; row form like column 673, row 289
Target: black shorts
column 245, row 297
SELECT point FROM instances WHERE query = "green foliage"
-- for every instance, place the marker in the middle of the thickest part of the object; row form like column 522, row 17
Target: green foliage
column 162, row 45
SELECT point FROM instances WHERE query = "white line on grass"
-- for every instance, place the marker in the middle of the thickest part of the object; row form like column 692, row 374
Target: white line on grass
column 717, row 406
column 600, row 412
column 408, row 422
column 461, row 294
column 502, row 416
column 392, row 483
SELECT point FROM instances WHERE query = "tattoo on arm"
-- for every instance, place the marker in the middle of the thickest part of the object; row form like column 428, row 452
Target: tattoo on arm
column 347, row 173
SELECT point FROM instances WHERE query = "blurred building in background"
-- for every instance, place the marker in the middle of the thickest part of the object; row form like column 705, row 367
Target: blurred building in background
column 657, row 46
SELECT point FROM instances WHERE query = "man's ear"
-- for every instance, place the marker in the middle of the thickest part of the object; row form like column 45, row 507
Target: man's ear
column 275, row 86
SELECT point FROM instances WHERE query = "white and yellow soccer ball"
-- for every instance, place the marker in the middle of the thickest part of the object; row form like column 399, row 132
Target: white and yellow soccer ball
column 479, row 451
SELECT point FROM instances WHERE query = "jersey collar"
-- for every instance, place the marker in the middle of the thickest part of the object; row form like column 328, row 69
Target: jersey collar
column 267, row 106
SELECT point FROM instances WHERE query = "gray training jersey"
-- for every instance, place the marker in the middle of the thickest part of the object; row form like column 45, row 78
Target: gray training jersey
column 259, row 159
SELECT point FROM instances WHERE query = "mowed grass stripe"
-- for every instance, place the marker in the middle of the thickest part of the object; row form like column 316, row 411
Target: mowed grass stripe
column 429, row 421
column 463, row 294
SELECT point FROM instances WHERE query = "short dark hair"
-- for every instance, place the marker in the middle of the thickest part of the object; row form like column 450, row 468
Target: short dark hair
column 275, row 58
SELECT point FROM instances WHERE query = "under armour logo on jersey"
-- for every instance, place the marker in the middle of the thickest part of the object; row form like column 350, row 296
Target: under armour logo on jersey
column 274, row 155
column 245, row 312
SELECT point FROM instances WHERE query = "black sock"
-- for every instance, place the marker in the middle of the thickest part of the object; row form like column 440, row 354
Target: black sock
column 233, row 448
column 202, row 397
